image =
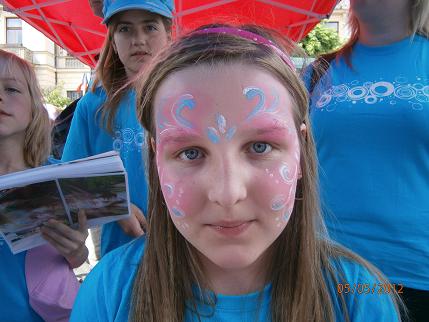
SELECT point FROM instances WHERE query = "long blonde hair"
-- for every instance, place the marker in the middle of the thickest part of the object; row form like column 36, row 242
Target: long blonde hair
column 110, row 73
column 37, row 139
column 170, row 267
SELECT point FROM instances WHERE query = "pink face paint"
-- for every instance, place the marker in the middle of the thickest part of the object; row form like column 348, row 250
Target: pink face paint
column 228, row 158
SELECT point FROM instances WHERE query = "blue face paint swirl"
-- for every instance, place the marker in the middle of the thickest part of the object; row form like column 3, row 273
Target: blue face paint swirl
column 250, row 93
column 215, row 134
column 221, row 123
column 177, row 212
column 230, row 133
column 185, row 101
column 275, row 104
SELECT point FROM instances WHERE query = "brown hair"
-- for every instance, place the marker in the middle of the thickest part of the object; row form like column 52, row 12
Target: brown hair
column 110, row 73
column 170, row 267
column 37, row 139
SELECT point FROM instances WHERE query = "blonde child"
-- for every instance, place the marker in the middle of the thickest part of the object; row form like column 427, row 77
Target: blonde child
column 37, row 284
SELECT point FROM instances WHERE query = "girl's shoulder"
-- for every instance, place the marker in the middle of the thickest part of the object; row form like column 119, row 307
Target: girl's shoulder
column 120, row 264
column 107, row 290
column 92, row 100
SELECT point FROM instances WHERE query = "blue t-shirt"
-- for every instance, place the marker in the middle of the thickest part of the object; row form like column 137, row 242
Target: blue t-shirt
column 371, row 127
column 105, row 295
column 87, row 138
column 14, row 305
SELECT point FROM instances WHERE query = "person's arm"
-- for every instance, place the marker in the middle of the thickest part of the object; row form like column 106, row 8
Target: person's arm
column 69, row 242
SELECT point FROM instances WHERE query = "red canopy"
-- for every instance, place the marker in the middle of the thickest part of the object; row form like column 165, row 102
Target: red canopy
column 71, row 24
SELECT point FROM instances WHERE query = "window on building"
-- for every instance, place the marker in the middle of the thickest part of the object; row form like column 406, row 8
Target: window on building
column 13, row 31
column 74, row 95
column 71, row 62
column 334, row 25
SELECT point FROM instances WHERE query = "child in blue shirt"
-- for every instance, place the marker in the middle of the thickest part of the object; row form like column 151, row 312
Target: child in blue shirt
column 39, row 283
column 105, row 118
column 234, row 227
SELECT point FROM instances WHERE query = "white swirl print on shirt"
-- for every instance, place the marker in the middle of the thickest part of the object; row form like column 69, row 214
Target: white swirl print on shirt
column 414, row 93
column 128, row 140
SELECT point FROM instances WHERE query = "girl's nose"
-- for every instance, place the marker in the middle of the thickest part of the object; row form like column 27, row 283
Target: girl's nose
column 139, row 38
column 229, row 184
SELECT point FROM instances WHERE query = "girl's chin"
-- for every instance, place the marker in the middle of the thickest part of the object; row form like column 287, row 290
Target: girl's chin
column 231, row 260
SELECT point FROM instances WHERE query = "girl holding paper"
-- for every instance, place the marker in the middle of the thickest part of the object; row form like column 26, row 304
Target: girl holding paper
column 38, row 284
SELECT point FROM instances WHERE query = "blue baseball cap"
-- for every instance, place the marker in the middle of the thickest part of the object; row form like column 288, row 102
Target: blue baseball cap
column 162, row 7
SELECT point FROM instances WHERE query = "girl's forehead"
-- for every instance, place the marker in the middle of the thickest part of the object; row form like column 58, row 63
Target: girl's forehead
column 221, row 82
column 235, row 90
column 10, row 71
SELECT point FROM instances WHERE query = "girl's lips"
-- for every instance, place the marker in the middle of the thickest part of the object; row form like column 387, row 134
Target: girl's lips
column 4, row 113
column 231, row 229
column 140, row 53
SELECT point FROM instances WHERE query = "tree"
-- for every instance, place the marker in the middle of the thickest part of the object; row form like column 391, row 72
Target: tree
column 320, row 40
column 53, row 96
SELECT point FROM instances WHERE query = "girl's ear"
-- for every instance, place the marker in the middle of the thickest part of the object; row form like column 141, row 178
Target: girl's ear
column 152, row 144
column 303, row 133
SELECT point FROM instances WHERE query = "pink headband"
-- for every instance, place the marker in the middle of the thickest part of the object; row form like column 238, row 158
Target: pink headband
column 250, row 36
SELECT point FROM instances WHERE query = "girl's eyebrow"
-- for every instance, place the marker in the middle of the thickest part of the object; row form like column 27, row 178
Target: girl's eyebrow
column 177, row 136
column 10, row 79
column 271, row 130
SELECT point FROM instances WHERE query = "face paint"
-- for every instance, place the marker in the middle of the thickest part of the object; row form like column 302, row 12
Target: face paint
column 261, row 105
column 214, row 135
column 228, row 159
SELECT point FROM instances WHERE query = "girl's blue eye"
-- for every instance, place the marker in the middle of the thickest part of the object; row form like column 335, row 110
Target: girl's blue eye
column 261, row 147
column 190, row 154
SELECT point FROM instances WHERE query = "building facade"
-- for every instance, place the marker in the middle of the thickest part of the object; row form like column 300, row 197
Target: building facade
column 53, row 65
column 339, row 19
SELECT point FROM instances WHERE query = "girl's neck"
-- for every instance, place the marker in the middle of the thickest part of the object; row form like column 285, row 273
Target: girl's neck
column 380, row 33
column 12, row 159
column 235, row 281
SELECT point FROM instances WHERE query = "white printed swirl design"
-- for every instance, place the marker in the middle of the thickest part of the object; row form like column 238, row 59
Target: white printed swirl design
column 415, row 94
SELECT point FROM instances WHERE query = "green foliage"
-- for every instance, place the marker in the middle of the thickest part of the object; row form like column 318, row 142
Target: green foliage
column 320, row 40
column 53, row 96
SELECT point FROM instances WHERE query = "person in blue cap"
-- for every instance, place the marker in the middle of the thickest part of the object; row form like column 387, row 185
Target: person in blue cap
column 105, row 118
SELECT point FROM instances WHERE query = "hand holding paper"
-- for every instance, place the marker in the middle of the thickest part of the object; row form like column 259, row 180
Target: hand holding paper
column 136, row 225
column 69, row 242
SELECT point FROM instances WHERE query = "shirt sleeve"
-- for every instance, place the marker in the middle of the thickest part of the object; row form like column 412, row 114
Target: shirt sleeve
column 77, row 145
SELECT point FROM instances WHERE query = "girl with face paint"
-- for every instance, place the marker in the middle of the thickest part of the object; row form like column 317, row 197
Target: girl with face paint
column 234, row 227
column 105, row 118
